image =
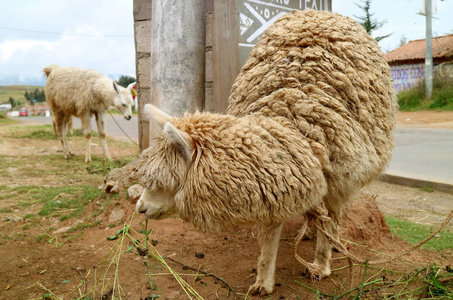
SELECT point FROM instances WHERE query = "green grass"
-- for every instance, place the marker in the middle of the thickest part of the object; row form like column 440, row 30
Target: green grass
column 43, row 132
column 441, row 99
column 64, row 187
column 414, row 233
column 6, row 121
column 66, row 201
column 16, row 92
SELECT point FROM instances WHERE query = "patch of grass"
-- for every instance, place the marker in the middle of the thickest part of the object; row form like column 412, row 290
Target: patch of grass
column 17, row 92
column 6, row 121
column 30, row 217
column 441, row 99
column 413, row 233
column 427, row 189
column 410, row 100
column 104, row 167
column 73, row 202
column 43, row 132
column 5, row 210
column 66, row 201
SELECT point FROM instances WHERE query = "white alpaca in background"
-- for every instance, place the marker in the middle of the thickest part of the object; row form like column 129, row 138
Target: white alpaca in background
column 80, row 92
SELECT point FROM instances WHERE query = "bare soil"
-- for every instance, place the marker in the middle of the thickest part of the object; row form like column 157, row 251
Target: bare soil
column 31, row 268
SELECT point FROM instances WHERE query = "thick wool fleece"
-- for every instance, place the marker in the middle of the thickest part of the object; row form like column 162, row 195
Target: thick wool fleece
column 244, row 171
column 323, row 73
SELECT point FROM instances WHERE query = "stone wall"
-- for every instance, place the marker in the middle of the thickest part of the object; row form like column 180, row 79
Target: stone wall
column 142, row 34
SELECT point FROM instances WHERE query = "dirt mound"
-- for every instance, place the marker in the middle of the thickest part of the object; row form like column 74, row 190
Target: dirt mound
column 364, row 222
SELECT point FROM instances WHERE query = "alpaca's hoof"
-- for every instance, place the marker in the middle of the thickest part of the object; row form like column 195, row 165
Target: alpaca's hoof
column 261, row 289
column 317, row 272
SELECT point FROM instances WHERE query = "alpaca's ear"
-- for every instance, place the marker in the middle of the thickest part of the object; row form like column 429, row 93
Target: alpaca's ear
column 156, row 114
column 116, row 87
column 181, row 139
column 131, row 86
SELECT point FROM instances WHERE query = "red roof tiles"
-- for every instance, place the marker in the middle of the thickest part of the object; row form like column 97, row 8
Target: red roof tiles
column 415, row 50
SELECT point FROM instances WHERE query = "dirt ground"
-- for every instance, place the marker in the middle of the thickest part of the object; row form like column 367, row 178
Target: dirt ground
column 67, row 266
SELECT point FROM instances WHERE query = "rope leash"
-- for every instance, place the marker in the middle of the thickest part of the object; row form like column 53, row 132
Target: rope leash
column 320, row 213
column 119, row 124
column 122, row 128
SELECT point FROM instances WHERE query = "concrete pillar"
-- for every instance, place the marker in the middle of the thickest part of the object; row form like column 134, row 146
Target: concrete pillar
column 428, row 51
column 142, row 34
column 177, row 77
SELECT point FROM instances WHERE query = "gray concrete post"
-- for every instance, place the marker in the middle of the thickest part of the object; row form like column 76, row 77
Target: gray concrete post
column 429, row 51
column 177, row 73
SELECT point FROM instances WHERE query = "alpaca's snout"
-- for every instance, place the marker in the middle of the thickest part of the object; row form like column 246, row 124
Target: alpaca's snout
column 150, row 212
column 140, row 208
column 128, row 117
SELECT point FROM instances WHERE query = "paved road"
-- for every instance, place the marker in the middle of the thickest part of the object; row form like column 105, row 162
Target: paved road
column 423, row 153
column 419, row 153
column 111, row 128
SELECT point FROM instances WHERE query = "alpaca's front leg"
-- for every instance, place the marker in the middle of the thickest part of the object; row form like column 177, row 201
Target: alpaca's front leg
column 101, row 129
column 323, row 252
column 268, row 239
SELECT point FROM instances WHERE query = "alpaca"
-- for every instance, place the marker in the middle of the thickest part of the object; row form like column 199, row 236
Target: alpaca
column 82, row 93
column 309, row 123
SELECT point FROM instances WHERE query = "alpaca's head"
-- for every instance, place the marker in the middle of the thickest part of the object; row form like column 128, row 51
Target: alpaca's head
column 123, row 100
column 165, row 169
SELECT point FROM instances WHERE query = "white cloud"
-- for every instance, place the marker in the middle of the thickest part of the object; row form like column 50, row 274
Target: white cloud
column 89, row 34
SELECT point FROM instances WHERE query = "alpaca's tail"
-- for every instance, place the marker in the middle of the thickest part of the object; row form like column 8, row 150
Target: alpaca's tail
column 49, row 69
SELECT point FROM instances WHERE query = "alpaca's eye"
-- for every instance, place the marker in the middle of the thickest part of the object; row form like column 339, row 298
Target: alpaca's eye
column 123, row 104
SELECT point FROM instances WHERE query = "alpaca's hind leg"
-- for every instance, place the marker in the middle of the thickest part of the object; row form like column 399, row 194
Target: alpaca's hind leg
column 64, row 132
column 323, row 252
column 101, row 130
column 58, row 122
column 268, row 239
column 86, row 126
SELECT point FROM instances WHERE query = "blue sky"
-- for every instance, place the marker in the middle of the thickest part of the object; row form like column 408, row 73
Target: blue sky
column 99, row 34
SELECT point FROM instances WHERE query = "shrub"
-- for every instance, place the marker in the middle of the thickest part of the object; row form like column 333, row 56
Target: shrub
column 442, row 97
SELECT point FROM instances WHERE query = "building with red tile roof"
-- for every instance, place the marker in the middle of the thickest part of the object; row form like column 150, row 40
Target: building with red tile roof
column 407, row 63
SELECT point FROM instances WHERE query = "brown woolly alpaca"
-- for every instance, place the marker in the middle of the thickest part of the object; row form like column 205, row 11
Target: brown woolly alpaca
column 310, row 121
column 80, row 92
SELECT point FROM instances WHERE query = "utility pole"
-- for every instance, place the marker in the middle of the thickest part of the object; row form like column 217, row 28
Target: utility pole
column 428, row 50
column 177, row 60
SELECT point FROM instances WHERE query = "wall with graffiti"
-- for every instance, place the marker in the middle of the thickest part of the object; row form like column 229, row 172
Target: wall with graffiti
column 406, row 76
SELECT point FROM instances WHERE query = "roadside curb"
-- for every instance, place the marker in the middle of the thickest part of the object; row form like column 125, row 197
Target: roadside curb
column 439, row 186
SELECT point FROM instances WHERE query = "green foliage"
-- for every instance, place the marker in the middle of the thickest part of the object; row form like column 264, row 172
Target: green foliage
column 442, row 97
column 12, row 102
column 411, row 99
column 37, row 95
column 74, row 203
column 368, row 22
column 16, row 92
column 125, row 80
column 413, row 233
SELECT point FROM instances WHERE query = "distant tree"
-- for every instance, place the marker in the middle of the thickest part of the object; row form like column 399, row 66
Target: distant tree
column 125, row 80
column 368, row 22
column 38, row 95
column 12, row 102
column 27, row 95
column 403, row 40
